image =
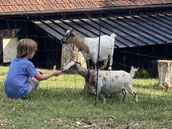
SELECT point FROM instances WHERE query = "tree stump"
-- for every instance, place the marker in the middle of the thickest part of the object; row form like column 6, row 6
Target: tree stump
column 70, row 52
column 165, row 73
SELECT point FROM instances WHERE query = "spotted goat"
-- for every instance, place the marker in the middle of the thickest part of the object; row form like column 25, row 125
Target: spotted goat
column 89, row 47
column 109, row 82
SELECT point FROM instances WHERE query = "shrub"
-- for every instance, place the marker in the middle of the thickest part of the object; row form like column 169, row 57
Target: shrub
column 142, row 74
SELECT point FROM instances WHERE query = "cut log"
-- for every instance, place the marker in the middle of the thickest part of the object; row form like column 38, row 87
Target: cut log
column 165, row 73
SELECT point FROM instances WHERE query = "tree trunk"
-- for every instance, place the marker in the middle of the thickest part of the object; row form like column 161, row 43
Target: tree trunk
column 165, row 73
column 70, row 52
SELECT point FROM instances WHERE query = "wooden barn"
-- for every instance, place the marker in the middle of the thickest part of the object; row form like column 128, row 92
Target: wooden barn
column 143, row 28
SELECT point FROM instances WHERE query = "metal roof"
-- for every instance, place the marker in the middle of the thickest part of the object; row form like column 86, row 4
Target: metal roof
column 19, row 7
column 136, row 30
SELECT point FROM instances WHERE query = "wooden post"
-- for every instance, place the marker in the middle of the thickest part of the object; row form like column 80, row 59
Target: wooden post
column 165, row 73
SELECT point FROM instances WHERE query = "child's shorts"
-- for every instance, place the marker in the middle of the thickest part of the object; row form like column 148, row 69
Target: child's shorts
column 32, row 85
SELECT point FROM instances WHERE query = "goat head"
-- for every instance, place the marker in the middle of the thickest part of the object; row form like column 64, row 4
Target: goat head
column 68, row 33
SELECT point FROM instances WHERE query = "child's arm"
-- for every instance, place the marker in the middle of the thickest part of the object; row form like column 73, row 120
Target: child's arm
column 40, row 76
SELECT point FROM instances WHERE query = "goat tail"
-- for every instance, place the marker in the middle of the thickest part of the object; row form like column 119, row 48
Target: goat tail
column 113, row 35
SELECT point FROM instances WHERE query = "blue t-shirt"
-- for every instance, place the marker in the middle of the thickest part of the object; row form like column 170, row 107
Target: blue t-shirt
column 16, row 82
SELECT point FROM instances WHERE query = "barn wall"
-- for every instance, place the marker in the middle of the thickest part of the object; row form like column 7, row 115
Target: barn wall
column 49, row 48
column 144, row 57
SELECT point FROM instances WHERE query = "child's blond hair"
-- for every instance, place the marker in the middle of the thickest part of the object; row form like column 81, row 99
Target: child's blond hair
column 25, row 46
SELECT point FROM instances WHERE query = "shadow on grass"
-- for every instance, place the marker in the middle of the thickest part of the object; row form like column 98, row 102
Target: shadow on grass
column 146, row 94
column 155, row 86
column 74, row 94
column 65, row 94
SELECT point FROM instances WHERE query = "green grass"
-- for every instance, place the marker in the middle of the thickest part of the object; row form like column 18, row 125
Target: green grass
column 59, row 103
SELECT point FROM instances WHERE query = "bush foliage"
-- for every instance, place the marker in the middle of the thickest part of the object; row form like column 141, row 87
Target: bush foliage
column 142, row 74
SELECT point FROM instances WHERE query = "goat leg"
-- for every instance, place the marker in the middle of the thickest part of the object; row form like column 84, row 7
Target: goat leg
column 135, row 96
column 88, row 64
column 105, row 63
column 86, row 90
column 124, row 95
column 98, row 92
column 103, row 98
column 110, row 68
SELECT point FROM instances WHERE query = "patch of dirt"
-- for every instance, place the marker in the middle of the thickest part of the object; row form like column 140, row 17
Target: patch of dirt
column 3, row 123
column 108, row 123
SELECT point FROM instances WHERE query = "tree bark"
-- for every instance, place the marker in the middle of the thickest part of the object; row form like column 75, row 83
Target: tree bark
column 165, row 73
column 70, row 52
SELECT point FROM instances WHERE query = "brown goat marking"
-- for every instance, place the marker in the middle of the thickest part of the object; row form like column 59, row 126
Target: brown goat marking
column 71, row 38
column 93, row 71
column 72, row 34
column 107, row 73
column 81, row 44
column 86, row 49
column 104, row 78
column 77, row 41
column 113, row 80
column 92, row 79
column 116, row 77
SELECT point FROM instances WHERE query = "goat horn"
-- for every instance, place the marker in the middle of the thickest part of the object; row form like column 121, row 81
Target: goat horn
column 78, row 63
column 68, row 32
column 71, row 29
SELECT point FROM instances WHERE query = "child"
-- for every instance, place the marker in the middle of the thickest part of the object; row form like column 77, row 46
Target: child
column 22, row 77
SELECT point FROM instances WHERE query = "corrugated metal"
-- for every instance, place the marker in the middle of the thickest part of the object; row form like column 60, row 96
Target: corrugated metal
column 137, row 30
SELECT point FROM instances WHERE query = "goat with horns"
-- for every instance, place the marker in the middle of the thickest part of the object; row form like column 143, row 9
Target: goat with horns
column 89, row 47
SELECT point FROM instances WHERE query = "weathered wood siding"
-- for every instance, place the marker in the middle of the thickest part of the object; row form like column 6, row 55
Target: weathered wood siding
column 165, row 73
column 9, row 49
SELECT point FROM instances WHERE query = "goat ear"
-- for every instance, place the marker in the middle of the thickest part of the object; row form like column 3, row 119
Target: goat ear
column 136, row 69
column 72, row 35
column 69, row 33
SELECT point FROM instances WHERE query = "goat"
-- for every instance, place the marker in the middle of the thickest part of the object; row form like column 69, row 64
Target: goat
column 89, row 47
column 109, row 82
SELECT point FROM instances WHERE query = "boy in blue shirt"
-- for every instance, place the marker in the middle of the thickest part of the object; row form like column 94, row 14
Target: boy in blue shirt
column 22, row 77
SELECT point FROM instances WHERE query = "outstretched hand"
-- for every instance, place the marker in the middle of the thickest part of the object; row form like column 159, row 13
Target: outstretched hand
column 57, row 72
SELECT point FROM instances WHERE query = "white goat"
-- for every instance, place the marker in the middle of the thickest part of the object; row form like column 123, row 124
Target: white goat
column 109, row 82
column 89, row 47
